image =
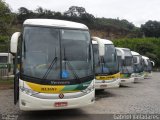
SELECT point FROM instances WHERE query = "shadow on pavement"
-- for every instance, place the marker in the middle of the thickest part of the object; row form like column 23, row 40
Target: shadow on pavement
column 138, row 82
column 125, row 86
column 103, row 94
column 69, row 114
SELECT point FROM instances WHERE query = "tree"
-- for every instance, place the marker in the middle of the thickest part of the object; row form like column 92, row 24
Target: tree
column 57, row 15
column 151, row 29
column 23, row 10
column 79, row 14
column 40, row 10
column 23, row 14
column 75, row 11
column 6, row 18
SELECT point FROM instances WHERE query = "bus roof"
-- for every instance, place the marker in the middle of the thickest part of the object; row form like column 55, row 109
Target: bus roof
column 55, row 23
column 4, row 54
column 94, row 42
column 105, row 41
column 144, row 57
column 123, row 48
column 123, row 52
column 134, row 53
column 120, row 52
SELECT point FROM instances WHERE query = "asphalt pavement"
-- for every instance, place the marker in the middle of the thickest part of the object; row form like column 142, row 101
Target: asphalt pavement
column 142, row 97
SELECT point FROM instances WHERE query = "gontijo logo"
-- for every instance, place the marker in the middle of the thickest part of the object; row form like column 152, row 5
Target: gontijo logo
column 108, row 77
column 58, row 88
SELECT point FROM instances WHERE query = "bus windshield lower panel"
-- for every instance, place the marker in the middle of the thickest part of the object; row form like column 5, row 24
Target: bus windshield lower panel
column 109, row 65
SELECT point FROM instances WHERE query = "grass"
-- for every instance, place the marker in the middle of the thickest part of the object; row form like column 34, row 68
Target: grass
column 6, row 84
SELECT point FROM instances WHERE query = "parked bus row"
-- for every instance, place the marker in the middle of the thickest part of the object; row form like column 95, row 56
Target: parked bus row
column 59, row 66
column 118, row 66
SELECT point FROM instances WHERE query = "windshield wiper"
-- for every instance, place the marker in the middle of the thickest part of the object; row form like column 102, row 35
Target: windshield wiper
column 125, row 67
column 24, row 49
column 101, row 63
column 70, row 67
column 137, row 68
column 50, row 67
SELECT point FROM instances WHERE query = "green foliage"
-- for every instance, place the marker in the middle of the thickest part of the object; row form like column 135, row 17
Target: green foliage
column 6, row 18
column 113, row 27
column 79, row 14
column 116, row 23
column 116, row 27
column 151, row 29
column 145, row 46
column 105, row 26
column 3, row 39
column 4, row 43
column 7, row 82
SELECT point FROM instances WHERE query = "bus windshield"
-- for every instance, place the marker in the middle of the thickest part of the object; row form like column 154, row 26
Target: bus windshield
column 110, row 60
column 139, row 66
column 128, row 61
column 148, row 68
column 3, row 59
column 126, row 64
column 56, row 54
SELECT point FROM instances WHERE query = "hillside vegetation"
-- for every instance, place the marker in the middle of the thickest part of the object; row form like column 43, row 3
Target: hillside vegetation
column 145, row 46
column 123, row 32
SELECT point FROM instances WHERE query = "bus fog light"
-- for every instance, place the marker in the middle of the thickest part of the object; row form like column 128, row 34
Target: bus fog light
column 28, row 91
column 133, row 75
column 23, row 103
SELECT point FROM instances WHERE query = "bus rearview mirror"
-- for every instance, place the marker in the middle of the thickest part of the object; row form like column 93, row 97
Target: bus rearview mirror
column 101, row 45
column 14, row 42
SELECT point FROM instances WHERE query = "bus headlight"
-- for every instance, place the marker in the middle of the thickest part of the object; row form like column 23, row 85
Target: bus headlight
column 133, row 75
column 114, row 79
column 28, row 91
column 89, row 88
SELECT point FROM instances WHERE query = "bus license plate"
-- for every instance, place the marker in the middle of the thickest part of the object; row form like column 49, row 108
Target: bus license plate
column 103, row 86
column 60, row 104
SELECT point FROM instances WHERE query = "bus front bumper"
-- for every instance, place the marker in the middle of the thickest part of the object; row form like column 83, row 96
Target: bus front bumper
column 137, row 77
column 107, row 84
column 147, row 75
column 125, row 81
column 30, row 103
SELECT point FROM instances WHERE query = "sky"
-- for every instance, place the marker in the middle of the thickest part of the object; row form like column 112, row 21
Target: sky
column 136, row 11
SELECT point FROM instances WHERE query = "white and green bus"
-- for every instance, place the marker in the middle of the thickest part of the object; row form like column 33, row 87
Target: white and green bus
column 125, row 60
column 147, row 67
column 138, row 66
column 107, row 73
column 54, row 65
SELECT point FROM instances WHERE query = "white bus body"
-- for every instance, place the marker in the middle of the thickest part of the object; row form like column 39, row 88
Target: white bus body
column 138, row 66
column 56, row 65
column 147, row 67
column 125, row 65
column 105, row 79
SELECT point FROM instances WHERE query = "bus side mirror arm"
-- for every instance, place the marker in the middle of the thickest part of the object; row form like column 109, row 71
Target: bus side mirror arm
column 14, row 42
column 137, row 62
column 101, row 46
